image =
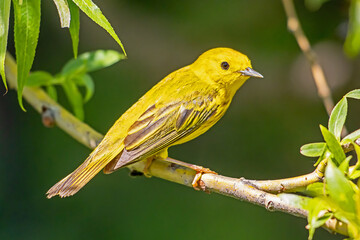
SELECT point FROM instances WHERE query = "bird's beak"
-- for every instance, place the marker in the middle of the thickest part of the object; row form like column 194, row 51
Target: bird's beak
column 251, row 73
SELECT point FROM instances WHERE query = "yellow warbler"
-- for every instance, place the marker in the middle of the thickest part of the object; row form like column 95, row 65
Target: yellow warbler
column 179, row 108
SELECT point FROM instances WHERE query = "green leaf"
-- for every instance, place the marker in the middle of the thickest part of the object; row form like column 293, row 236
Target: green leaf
column 64, row 12
column 74, row 26
column 354, row 230
column 354, row 94
column 101, row 59
column 333, row 145
column 313, row 149
column 94, row 12
column 357, row 230
column 353, row 136
column 315, row 189
column 91, row 61
column 326, row 154
column 357, row 151
column 318, row 222
column 58, row 79
column 339, row 189
column 318, row 214
column 314, row 5
column 355, row 173
column 26, row 31
column 39, row 78
column 51, row 90
column 4, row 29
column 344, row 166
column 352, row 41
column 337, row 118
column 87, row 82
column 75, row 98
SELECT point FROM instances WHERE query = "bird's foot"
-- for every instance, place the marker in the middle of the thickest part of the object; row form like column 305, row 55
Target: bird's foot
column 197, row 183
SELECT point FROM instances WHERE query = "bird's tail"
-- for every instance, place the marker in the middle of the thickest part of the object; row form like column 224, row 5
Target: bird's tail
column 72, row 183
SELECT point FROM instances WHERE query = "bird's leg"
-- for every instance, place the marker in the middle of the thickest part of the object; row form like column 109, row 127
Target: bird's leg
column 160, row 156
column 196, row 183
column 147, row 166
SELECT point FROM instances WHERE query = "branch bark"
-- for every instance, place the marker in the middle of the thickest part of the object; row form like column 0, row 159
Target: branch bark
column 256, row 192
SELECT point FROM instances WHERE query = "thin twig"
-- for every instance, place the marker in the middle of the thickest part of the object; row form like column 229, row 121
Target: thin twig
column 294, row 184
column 294, row 26
column 234, row 187
column 348, row 147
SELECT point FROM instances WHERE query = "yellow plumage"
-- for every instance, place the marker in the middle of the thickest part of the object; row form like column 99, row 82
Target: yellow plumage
column 179, row 108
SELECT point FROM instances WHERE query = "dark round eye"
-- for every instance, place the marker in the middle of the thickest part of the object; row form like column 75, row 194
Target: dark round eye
column 225, row 65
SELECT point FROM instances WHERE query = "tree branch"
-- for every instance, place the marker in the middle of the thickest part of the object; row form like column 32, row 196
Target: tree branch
column 51, row 112
column 256, row 192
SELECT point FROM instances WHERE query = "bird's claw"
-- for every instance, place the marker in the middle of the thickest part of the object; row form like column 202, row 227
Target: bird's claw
column 197, row 183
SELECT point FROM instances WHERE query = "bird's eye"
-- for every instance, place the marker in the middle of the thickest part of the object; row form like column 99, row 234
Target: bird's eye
column 225, row 65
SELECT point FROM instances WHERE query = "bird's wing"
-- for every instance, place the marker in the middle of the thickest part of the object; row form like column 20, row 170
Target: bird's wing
column 112, row 145
column 162, row 125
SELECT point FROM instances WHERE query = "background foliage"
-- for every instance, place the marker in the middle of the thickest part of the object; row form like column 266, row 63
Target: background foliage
column 259, row 137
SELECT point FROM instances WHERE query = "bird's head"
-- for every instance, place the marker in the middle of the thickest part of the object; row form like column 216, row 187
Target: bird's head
column 224, row 66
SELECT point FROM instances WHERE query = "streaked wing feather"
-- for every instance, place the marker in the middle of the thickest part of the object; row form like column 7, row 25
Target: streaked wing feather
column 163, row 128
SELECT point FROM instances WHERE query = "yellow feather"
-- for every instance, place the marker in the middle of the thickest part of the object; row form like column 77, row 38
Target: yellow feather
column 179, row 108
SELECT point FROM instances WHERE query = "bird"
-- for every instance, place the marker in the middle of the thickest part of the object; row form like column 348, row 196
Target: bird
column 179, row 108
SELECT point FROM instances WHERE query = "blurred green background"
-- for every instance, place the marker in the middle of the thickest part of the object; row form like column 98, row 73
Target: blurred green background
column 258, row 138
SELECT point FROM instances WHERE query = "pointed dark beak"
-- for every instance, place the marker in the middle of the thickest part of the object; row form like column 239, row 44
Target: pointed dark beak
column 251, row 73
